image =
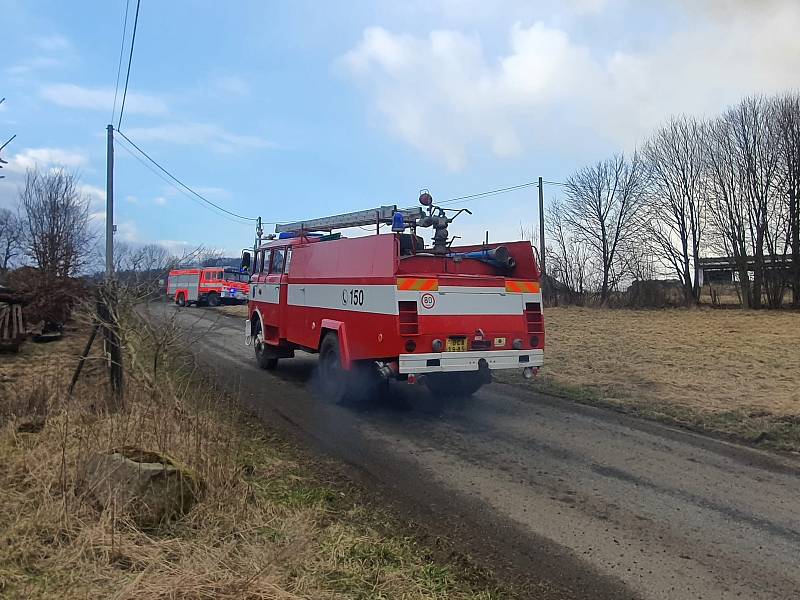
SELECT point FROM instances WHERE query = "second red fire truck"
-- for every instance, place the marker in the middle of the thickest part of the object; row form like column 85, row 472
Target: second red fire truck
column 208, row 285
column 385, row 306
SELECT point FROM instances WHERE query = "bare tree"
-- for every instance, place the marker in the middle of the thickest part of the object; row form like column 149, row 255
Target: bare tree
column 601, row 205
column 755, row 157
column 10, row 238
column 57, row 236
column 787, row 115
column 211, row 257
column 728, row 214
column 567, row 257
column 154, row 257
column 676, row 202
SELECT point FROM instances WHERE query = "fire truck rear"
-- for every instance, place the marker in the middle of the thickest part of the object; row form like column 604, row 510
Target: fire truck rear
column 385, row 306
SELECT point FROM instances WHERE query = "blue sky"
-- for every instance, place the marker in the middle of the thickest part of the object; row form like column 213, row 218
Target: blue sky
column 292, row 110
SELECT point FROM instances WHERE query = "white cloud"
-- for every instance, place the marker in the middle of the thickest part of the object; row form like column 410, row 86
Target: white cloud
column 127, row 232
column 231, row 85
column 51, row 51
column 213, row 192
column 446, row 94
column 132, row 200
column 45, row 158
column 586, row 7
column 75, row 96
column 160, row 200
column 53, row 43
column 209, row 135
column 34, row 64
column 96, row 195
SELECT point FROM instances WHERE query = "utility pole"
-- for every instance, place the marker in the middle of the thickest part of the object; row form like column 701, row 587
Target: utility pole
column 541, row 226
column 107, row 305
column 110, row 204
column 259, row 235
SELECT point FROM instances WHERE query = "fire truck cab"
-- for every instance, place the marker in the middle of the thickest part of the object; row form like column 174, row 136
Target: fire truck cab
column 384, row 306
column 209, row 285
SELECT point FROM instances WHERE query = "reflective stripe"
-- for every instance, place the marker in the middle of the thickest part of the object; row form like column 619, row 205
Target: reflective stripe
column 417, row 284
column 519, row 287
column 377, row 299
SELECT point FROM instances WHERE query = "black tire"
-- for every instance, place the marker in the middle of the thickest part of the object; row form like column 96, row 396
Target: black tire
column 180, row 300
column 455, row 385
column 264, row 357
column 213, row 299
column 333, row 378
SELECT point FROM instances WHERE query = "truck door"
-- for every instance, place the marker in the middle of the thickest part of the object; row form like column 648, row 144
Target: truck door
column 274, row 295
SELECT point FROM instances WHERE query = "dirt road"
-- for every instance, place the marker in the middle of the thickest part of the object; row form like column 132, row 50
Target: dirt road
column 565, row 500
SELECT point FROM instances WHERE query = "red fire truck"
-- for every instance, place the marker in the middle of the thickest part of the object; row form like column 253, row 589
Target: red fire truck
column 209, row 285
column 385, row 307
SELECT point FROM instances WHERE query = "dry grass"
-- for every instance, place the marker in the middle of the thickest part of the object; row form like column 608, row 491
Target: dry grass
column 234, row 310
column 268, row 526
column 726, row 370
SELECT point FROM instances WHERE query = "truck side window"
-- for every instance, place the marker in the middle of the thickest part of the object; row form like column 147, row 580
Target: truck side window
column 277, row 260
column 288, row 260
column 264, row 254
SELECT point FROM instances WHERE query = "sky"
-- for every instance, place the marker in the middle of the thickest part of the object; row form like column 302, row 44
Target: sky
column 302, row 109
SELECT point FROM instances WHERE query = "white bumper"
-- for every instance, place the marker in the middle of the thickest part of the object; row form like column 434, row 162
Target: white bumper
column 437, row 362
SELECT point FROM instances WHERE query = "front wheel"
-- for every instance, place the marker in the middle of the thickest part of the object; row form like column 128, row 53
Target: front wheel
column 454, row 385
column 213, row 299
column 265, row 357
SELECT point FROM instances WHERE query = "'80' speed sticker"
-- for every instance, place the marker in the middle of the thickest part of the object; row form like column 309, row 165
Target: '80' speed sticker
column 427, row 300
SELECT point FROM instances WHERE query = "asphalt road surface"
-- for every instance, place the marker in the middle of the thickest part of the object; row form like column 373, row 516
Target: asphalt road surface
column 564, row 500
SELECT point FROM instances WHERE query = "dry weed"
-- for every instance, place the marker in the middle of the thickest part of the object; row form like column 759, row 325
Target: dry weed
column 265, row 527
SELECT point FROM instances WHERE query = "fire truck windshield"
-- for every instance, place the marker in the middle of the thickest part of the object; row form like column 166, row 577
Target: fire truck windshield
column 232, row 276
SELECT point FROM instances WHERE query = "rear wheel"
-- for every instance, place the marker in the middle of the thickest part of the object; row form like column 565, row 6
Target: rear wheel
column 213, row 299
column 180, row 300
column 454, row 385
column 333, row 377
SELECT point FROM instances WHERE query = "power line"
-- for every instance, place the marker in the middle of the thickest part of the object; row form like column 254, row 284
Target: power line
column 163, row 178
column 130, row 59
column 183, row 185
column 490, row 192
column 172, row 183
column 121, row 52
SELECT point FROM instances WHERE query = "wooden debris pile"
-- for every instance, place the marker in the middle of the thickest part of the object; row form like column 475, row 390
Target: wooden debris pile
column 12, row 325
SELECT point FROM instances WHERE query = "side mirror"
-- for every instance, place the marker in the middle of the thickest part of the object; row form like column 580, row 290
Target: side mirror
column 245, row 261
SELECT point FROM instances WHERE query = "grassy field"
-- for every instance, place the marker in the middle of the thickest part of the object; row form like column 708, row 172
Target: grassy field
column 728, row 371
column 273, row 522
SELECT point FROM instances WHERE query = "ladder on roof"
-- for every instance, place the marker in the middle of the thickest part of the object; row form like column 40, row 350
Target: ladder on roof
column 361, row 218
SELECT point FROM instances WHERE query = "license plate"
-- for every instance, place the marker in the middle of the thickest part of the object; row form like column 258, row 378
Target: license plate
column 456, row 344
